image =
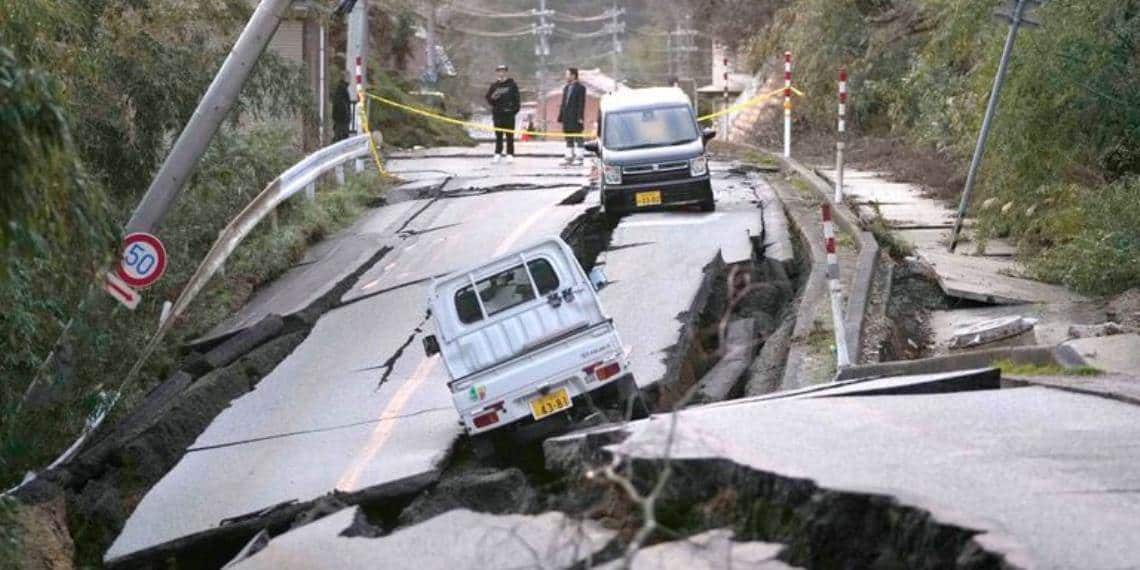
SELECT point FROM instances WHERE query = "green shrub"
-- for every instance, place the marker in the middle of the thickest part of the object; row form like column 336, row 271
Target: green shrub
column 1103, row 256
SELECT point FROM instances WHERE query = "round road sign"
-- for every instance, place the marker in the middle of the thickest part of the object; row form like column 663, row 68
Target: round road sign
column 144, row 260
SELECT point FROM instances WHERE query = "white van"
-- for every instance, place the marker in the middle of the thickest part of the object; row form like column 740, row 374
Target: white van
column 528, row 346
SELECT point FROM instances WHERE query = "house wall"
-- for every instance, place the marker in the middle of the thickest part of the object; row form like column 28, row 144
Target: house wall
column 554, row 102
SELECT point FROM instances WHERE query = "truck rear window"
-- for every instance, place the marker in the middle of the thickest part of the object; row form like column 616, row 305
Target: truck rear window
column 505, row 289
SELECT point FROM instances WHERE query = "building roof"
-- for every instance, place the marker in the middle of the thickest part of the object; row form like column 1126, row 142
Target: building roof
column 639, row 98
column 737, row 83
column 596, row 82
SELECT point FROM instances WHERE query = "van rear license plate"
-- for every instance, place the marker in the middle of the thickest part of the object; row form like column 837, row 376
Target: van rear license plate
column 551, row 403
column 648, row 198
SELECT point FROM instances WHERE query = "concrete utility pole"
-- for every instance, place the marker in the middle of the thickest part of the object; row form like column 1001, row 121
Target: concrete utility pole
column 357, row 48
column 542, row 50
column 1015, row 21
column 431, row 41
column 615, row 28
column 208, row 116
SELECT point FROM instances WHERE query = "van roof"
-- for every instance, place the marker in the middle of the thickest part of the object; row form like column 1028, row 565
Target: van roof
column 642, row 98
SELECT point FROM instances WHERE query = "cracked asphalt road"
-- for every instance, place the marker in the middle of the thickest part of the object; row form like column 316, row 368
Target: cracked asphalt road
column 350, row 409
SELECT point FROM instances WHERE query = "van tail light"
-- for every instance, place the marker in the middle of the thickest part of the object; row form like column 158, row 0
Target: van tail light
column 608, row 371
column 486, row 419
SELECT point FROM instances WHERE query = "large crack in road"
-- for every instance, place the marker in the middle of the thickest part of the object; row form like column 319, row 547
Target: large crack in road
column 444, row 233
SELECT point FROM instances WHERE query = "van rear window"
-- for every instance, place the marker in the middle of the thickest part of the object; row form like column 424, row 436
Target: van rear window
column 505, row 289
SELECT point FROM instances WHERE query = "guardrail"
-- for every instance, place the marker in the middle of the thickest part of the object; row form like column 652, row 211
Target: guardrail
column 300, row 177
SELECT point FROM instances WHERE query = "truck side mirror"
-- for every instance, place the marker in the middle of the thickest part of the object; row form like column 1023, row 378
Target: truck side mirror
column 431, row 345
column 598, row 278
column 593, row 147
column 708, row 135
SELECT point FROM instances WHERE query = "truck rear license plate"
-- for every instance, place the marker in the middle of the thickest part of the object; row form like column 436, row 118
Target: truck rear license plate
column 551, row 403
column 648, row 198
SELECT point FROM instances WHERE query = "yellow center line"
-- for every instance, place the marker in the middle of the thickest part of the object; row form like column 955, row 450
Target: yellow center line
column 350, row 479
column 383, row 431
column 520, row 230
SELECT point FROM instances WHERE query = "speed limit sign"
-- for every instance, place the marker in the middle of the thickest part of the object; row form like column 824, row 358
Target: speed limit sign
column 144, row 260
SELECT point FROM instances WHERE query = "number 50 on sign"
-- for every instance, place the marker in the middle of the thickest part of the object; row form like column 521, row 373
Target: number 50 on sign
column 144, row 260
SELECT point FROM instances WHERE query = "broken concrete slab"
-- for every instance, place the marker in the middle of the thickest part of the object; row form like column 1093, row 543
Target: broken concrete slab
column 244, row 341
column 992, row 330
column 1122, row 387
column 1098, row 330
column 944, row 383
column 485, row 490
column 738, row 346
column 1032, row 475
column 656, row 265
column 1053, row 321
column 1119, row 353
column 711, row 550
column 992, row 280
column 456, row 539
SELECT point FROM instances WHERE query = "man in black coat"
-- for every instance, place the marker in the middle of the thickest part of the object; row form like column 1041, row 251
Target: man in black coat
column 572, row 115
column 341, row 111
column 503, row 97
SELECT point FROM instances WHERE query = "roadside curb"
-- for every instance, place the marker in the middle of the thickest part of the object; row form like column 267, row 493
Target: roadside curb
column 866, row 264
column 812, row 294
column 1036, row 355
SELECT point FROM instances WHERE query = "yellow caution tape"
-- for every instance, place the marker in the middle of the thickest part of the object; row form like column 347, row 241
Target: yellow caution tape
column 474, row 125
column 753, row 101
column 371, row 141
column 483, row 127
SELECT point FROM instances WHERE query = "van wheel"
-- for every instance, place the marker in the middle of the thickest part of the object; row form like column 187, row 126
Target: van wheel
column 708, row 205
column 612, row 217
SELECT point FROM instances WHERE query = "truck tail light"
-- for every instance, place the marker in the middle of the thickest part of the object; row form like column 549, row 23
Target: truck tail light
column 608, row 371
column 486, row 419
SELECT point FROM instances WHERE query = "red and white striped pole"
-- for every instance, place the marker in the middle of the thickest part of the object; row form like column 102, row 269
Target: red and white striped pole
column 724, row 105
column 358, row 117
column 787, row 104
column 836, row 290
column 840, row 142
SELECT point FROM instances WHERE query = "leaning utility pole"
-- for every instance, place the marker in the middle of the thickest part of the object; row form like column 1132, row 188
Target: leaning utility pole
column 357, row 23
column 1015, row 21
column 208, row 116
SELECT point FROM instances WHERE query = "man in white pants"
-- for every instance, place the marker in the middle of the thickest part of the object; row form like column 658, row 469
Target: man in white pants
column 572, row 116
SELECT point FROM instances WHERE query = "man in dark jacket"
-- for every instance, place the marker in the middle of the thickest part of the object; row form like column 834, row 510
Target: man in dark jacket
column 341, row 111
column 572, row 115
column 503, row 97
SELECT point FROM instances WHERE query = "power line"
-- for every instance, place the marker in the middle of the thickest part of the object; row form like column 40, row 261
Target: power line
column 608, row 14
column 517, row 32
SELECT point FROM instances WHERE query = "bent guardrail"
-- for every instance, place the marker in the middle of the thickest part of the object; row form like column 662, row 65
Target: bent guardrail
column 300, row 177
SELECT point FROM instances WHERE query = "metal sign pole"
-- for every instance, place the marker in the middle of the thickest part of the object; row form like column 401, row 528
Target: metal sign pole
column 991, row 108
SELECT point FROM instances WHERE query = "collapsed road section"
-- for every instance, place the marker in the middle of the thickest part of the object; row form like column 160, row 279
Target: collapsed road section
column 321, row 431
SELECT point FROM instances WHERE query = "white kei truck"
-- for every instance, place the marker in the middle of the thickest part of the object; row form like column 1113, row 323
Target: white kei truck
column 528, row 346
